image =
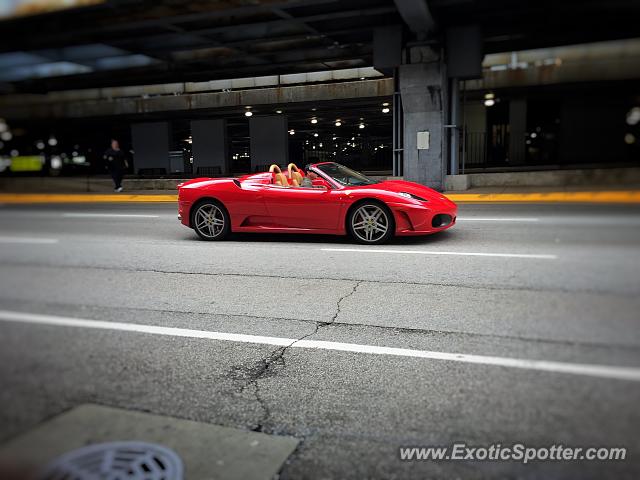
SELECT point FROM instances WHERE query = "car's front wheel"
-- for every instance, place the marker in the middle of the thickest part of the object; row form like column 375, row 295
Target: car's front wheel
column 370, row 223
column 211, row 220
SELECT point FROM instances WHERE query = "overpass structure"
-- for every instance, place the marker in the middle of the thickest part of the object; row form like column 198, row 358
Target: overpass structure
column 284, row 64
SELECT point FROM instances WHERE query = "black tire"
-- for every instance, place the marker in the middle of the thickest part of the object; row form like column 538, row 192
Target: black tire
column 205, row 216
column 368, row 231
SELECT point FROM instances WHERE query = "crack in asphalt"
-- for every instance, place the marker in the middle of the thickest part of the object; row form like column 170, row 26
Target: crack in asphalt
column 382, row 328
column 265, row 366
column 495, row 287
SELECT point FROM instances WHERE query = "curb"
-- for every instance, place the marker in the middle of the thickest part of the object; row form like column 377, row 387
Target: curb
column 628, row 196
column 83, row 198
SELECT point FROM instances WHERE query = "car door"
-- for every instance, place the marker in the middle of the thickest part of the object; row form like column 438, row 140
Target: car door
column 304, row 208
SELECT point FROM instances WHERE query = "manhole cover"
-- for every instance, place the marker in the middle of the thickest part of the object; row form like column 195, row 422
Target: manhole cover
column 116, row 461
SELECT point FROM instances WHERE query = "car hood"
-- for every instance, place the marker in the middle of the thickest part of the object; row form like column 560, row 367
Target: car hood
column 413, row 188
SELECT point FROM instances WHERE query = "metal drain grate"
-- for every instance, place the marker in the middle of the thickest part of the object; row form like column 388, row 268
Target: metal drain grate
column 116, row 461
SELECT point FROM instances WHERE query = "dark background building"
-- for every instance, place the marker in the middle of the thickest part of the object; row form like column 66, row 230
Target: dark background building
column 223, row 87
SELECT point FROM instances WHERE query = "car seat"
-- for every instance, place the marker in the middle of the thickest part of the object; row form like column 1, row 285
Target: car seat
column 278, row 177
column 295, row 174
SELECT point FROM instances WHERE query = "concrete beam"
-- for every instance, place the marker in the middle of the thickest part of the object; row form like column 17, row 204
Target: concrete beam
column 186, row 102
column 417, row 16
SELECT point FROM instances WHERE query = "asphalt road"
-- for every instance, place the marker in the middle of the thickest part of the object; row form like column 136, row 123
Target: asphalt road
column 508, row 285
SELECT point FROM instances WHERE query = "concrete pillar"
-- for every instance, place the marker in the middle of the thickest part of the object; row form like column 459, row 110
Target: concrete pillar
column 210, row 147
column 423, row 91
column 455, row 127
column 151, row 147
column 517, row 129
column 269, row 141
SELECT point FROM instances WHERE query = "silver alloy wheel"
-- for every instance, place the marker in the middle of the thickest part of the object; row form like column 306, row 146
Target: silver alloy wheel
column 209, row 220
column 370, row 223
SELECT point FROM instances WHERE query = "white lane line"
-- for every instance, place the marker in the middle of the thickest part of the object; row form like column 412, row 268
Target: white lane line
column 436, row 252
column 28, row 240
column 482, row 219
column 591, row 370
column 107, row 215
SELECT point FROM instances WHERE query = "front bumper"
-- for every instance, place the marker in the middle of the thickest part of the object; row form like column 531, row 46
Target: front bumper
column 423, row 219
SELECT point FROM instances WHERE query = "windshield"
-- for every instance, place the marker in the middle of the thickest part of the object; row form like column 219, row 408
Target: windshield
column 344, row 175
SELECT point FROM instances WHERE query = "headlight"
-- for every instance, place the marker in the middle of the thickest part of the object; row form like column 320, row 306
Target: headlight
column 412, row 196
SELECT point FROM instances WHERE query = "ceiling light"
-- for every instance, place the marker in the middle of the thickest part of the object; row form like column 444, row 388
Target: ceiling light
column 314, row 120
column 248, row 113
column 315, row 134
column 292, row 132
column 633, row 116
column 6, row 136
column 385, row 104
column 385, row 110
column 338, row 123
column 278, row 111
column 361, row 125
column 53, row 141
column 488, row 96
column 489, row 102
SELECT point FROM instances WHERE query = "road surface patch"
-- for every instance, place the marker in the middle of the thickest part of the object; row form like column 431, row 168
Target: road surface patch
column 108, row 215
column 28, row 240
column 436, row 252
column 496, row 219
column 591, row 370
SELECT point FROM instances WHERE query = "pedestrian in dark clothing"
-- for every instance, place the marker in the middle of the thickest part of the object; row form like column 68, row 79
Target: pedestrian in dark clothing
column 117, row 164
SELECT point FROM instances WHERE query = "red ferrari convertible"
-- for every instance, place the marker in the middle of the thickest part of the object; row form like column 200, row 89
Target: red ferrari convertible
column 328, row 198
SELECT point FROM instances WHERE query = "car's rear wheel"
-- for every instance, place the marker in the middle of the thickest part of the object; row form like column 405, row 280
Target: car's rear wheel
column 370, row 223
column 211, row 220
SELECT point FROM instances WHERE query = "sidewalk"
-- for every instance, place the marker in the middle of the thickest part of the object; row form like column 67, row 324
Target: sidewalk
column 566, row 194
column 480, row 195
